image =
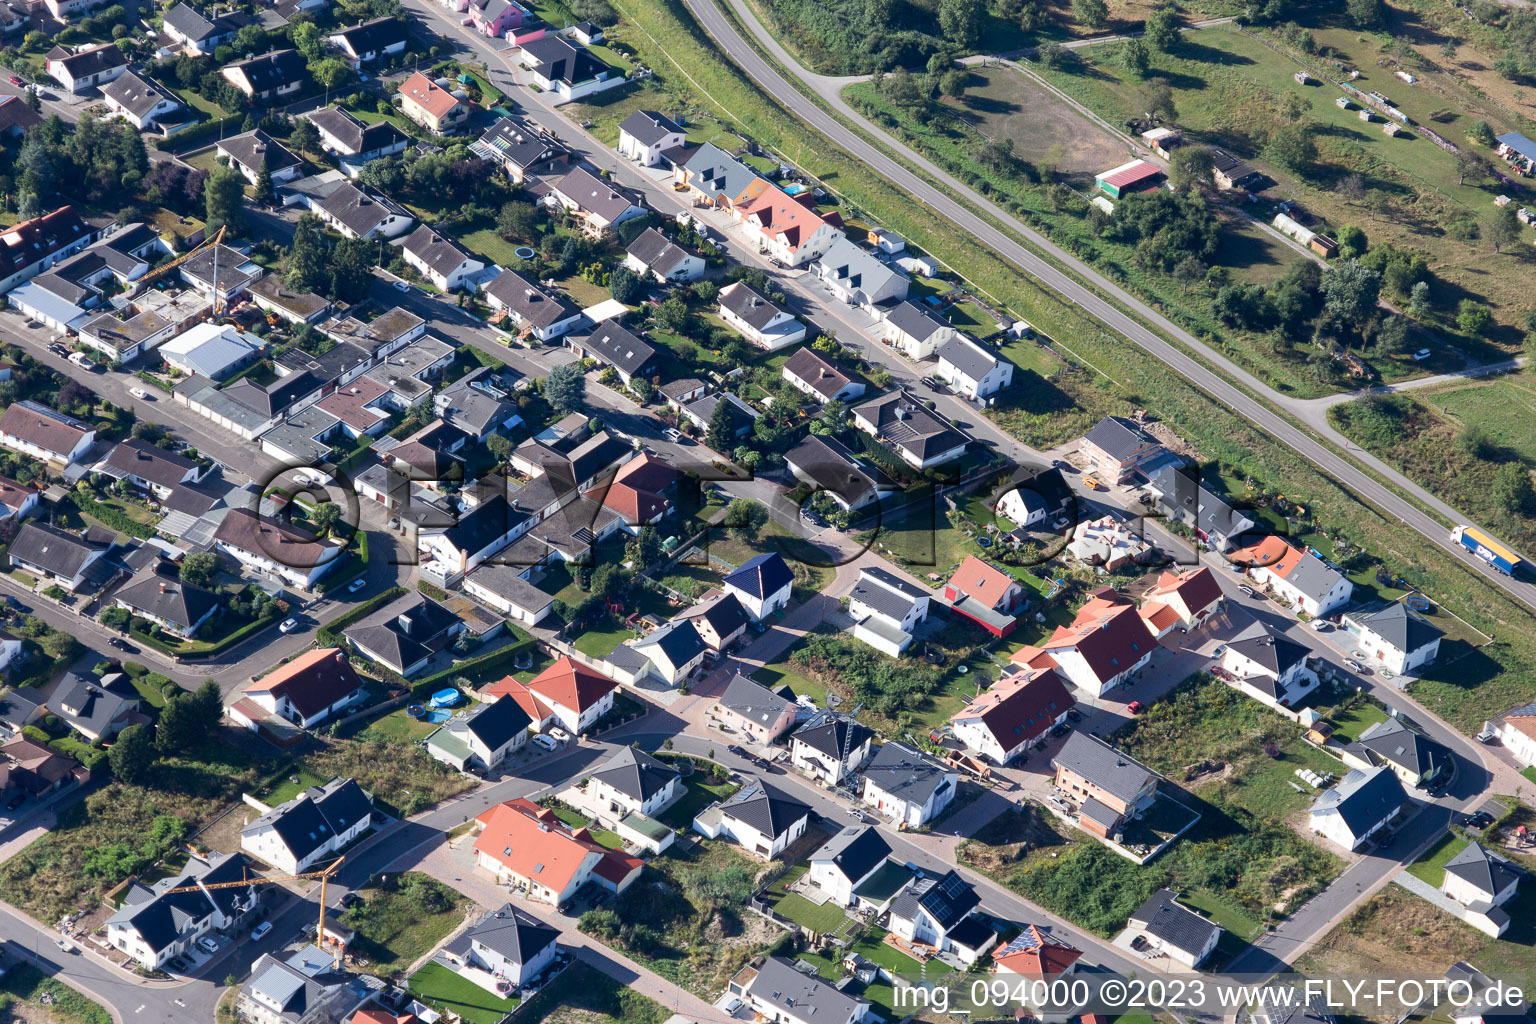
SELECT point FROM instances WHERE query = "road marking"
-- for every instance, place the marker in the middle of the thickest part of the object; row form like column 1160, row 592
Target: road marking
column 141, row 1008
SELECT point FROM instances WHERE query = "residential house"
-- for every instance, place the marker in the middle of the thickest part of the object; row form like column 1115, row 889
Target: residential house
column 527, row 847
column 859, row 278
column 1416, row 759
column 846, row 861
column 295, row 556
column 1014, row 715
column 757, row 319
column 918, row 332
column 86, row 68
column 45, row 434
column 58, row 558
column 142, row 102
column 251, row 152
column 678, row 394
column 1215, row 522
column 1109, row 543
column 1117, row 447
column 1268, row 666
column 430, row 105
column 777, row 991
column 506, row 947
column 477, row 404
column 151, row 468
column 611, row 345
column 448, row 552
column 813, row 374
column 596, row 202
column 1105, row 787
column 567, row 70
column 31, row 771
column 210, row 350
column 720, row 619
column 1034, row 497
column 1036, row 953
column 786, row 228
column 312, row 827
column 97, row 709
column 762, row 584
column 17, row 502
column 369, row 41
column 740, row 416
column 1516, row 731
column 632, row 782
column 645, row 135
column 753, row 710
column 506, row 589
column 640, row 492
column 1106, row 644
column 405, row 634
column 655, row 255
column 921, row 437
column 32, row 246
column 907, row 786
column 1484, row 883
column 986, row 595
column 1297, row 576
column 973, row 371
column 353, row 142
column 357, row 213
column 16, row 118
column 221, row 273
column 153, row 925
column 439, row 259
column 1181, row 598
column 521, row 147
column 1172, row 929
column 674, row 650
column 1400, row 639
column 307, row 987
column 936, row 911
column 760, row 818
column 827, row 465
column 481, row 738
column 714, row 177
column 830, row 747
column 498, row 18
column 269, row 76
column 545, row 314
column 1362, row 804
column 305, row 691
column 174, row 606
column 566, row 694
column 886, row 609
column 196, row 34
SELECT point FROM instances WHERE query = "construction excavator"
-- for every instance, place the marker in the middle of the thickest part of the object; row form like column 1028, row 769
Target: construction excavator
column 255, row 880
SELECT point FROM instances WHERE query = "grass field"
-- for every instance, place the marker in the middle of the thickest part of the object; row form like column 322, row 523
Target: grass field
column 698, row 794
column 1004, row 104
column 1504, row 409
column 1349, row 724
column 482, row 238
column 442, row 989
column 28, row 995
column 399, row 727
column 1430, row 867
column 398, row 925
column 606, row 110
column 584, row 995
column 825, row 919
column 290, row 784
column 600, row 642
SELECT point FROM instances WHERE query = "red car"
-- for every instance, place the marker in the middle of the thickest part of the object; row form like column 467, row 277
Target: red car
column 1136, row 707
column 16, row 81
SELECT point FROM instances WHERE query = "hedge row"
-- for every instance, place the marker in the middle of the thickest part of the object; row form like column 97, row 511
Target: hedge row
column 352, row 566
column 197, row 649
column 495, row 659
column 329, row 635
column 110, row 516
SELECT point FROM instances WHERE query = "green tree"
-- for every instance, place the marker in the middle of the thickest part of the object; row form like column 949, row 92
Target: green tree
column 59, row 645
column 206, row 708
column 1474, row 440
column 672, row 315
column 1512, row 489
column 331, row 72
column 1092, row 13
column 644, row 548
column 264, row 193
column 953, row 82
column 1135, row 57
column 565, row 389
column 1363, row 13
column 960, row 21
column 1157, row 101
column 1480, row 133
column 1292, row 146
column 1504, row 228
column 744, row 518
column 518, row 221
column 176, row 729
column 199, row 568
column 500, row 446
column 1419, row 302
column 308, row 261
column 611, row 583
column 1161, row 29
column 308, row 40
column 224, row 200
column 352, row 262
column 132, row 755
column 1350, row 290
column 305, row 137
column 625, row 285
column 325, row 516
column 721, row 433
column 1053, row 56
column 1473, row 317
column 1352, row 242
column 1191, row 167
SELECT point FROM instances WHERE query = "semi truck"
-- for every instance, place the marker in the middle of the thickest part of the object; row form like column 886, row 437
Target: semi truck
column 1489, row 550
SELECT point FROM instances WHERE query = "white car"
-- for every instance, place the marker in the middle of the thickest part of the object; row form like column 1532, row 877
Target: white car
column 288, row 626
column 79, row 360
column 546, row 742
column 357, row 585
column 559, row 734
column 139, row 393
column 208, row 944
column 260, row 931
column 1321, row 625
column 672, row 434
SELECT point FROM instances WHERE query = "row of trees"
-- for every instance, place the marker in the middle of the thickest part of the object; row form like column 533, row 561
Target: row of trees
column 188, row 722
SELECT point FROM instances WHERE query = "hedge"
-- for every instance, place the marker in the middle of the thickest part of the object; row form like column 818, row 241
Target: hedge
column 110, row 516
column 433, row 591
column 92, row 757
column 184, row 140
column 197, row 649
column 352, row 566
column 423, row 687
column 329, row 635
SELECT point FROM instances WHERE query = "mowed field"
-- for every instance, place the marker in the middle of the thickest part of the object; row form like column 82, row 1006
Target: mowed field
column 1504, row 409
column 1228, row 85
column 1004, row 104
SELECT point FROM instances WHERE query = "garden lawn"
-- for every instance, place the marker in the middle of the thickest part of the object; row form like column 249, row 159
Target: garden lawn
column 600, row 642
column 398, row 727
column 289, row 784
column 1350, row 723
column 824, row 919
column 1430, row 867
column 444, row 990
column 480, row 236
column 698, row 793
column 584, row 995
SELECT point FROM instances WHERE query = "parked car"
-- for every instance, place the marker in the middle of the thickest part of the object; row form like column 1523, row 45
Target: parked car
column 122, row 645
column 738, row 751
column 559, row 734
column 357, row 584
column 208, row 944
column 1354, row 665
column 17, row 605
column 929, row 382
column 401, row 286
column 15, row 80
column 1246, row 590
column 67, row 946
column 260, row 931
column 1321, row 625
column 288, row 626
column 1136, row 707
column 16, row 801
column 672, row 434
column 57, row 349
column 1060, row 731
column 1074, row 714
column 79, row 359
column 139, row 393
column 545, row 742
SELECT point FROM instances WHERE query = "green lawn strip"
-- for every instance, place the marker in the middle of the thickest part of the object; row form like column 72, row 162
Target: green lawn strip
column 443, row 990
column 1351, row 722
column 698, row 793
column 600, row 642
column 43, row 998
column 399, row 727
column 398, row 925
column 1529, row 772
column 288, row 784
column 1430, row 867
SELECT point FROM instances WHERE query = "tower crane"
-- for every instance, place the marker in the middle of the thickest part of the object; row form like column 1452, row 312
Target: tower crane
column 166, row 268
column 324, row 876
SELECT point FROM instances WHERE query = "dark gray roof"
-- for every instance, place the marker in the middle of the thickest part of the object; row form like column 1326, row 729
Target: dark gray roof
column 160, row 917
column 1165, row 918
column 947, row 898
column 752, row 700
column 856, row 851
column 18, row 705
column 483, row 524
column 1240, row 172
column 750, row 305
column 717, row 174
column 311, row 819
column 506, row 581
column 830, row 734
column 594, row 195
column 635, row 773
column 658, row 252
column 139, row 458
column 359, row 210
column 905, row 773
column 914, row 320
column 86, row 704
column 519, row 144
column 186, row 20
column 48, row 547
column 1488, row 871
column 1393, row 742
column 649, row 127
column 1400, row 627
column 833, row 467
column 903, row 420
column 1274, row 651
column 1312, row 576
column 679, row 640
column 511, row 933
column 819, row 372
column 354, row 134
column 136, row 94
column 373, row 36
column 891, row 602
column 1119, row 438
column 496, row 722
column 725, row 615
column 440, row 253
column 560, row 60
column 404, row 631
column 802, row 996
column 614, row 345
column 1103, row 765
column 169, row 599
column 272, row 70
column 1362, row 798
column 769, row 810
column 88, row 62
column 761, row 576
column 530, row 300
column 968, row 357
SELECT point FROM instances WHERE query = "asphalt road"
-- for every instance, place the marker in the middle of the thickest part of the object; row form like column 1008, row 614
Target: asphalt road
column 1216, row 385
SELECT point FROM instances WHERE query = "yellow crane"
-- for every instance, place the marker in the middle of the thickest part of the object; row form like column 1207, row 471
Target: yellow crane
column 324, row 877
column 166, row 268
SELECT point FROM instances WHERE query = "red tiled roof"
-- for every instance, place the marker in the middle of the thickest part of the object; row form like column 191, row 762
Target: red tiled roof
column 1019, row 707
column 349, row 403
column 1159, row 616
column 531, row 841
column 1110, row 636
column 1197, row 589
column 571, row 685
column 1034, row 953
column 312, row 682
column 372, row 1016
column 983, row 582
column 13, row 494
column 1268, row 552
column 534, row 706
column 777, row 213
column 430, row 97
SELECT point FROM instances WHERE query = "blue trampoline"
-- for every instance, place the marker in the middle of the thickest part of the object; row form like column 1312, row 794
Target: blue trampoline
column 445, row 698
column 1417, row 603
